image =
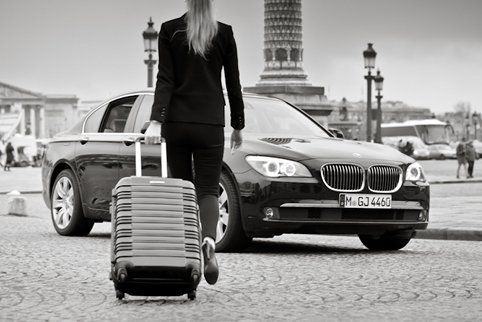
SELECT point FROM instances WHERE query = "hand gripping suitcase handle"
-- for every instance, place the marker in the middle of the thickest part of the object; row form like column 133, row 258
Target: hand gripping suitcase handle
column 139, row 162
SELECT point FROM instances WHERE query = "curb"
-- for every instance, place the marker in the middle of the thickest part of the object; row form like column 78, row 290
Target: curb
column 449, row 234
column 23, row 192
column 454, row 181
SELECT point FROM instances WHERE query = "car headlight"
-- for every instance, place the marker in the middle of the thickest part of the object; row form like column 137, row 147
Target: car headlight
column 275, row 167
column 415, row 172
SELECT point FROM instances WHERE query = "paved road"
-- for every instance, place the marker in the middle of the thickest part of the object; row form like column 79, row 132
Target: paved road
column 45, row 276
column 48, row 277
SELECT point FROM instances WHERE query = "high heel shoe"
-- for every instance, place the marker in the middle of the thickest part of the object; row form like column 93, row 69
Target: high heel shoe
column 211, row 269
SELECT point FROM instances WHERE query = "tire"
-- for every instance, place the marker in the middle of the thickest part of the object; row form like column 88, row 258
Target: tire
column 66, row 208
column 387, row 241
column 191, row 295
column 230, row 235
column 119, row 294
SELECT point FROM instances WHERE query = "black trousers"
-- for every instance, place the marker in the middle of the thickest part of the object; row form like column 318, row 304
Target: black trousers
column 195, row 153
column 471, row 168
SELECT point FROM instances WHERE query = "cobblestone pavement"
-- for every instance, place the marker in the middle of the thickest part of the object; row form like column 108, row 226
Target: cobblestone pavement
column 456, row 206
column 45, row 276
column 445, row 170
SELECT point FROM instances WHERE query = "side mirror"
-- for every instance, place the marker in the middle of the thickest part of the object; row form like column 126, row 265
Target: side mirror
column 337, row 133
column 145, row 126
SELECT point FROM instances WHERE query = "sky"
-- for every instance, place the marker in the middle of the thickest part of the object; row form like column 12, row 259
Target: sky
column 429, row 51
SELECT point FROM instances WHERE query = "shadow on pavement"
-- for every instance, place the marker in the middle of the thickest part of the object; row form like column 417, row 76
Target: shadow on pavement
column 281, row 247
column 99, row 235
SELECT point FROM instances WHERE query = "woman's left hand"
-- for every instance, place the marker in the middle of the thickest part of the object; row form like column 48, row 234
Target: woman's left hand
column 236, row 140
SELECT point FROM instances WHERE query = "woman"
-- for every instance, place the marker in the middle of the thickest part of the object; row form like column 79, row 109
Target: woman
column 471, row 155
column 10, row 157
column 461, row 158
column 189, row 108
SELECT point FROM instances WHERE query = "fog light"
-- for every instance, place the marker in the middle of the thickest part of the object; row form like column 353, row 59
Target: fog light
column 269, row 213
column 422, row 215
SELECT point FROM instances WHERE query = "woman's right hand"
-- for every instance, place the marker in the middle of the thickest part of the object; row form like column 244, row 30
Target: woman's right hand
column 153, row 133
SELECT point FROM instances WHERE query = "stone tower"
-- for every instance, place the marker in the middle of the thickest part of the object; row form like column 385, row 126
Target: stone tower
column 283, row 46
column 283, row 75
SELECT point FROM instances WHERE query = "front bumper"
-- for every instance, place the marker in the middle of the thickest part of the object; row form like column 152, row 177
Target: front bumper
column 275, row 206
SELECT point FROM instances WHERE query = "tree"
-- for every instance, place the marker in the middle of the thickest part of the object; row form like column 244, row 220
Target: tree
column 462, row 107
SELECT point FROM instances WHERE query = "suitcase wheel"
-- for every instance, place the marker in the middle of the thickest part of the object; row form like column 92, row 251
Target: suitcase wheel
column 191, row 295
column 122, row 275
column 195, row 277
column 119, row 294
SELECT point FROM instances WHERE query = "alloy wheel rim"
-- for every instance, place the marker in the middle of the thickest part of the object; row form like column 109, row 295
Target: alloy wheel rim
column 62, row 202
column 223, row 219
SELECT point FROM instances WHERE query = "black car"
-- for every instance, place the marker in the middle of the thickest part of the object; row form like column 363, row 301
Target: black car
column 291, row 175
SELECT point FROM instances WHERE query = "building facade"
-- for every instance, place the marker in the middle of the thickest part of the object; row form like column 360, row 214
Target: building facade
column 30, row 113
column 350, row 117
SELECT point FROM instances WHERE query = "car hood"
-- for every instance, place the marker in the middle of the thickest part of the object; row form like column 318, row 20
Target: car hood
column 320, row 148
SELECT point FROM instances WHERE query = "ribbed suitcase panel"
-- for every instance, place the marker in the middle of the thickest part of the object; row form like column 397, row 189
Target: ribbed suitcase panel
column 149, row 213
column 158, row 261
column 155, row 222
column 151, row 239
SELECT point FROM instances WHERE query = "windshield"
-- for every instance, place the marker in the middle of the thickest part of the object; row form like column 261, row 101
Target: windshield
column 432, row 134
column 276, row 118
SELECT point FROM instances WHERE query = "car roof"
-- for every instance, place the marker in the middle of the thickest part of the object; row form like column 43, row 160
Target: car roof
column 151, row 91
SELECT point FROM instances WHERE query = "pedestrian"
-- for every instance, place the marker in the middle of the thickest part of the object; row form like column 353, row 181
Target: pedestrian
column 188, row 108
column 10, row 157
column 471, row 156
column 461, row 159
column 1, row 154
column 405, row 147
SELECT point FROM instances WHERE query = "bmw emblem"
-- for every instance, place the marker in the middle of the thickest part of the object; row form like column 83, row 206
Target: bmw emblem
column 358, row 155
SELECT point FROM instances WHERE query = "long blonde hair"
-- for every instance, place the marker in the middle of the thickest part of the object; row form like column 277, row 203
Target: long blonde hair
column 202, row 26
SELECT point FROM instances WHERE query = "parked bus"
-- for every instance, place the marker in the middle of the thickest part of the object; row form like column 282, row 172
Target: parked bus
column 430, row 131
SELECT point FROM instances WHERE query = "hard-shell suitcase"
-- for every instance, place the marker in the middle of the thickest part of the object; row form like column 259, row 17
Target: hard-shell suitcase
column 156, row 242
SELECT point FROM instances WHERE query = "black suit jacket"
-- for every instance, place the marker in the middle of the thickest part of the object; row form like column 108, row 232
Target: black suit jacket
column 188, row 87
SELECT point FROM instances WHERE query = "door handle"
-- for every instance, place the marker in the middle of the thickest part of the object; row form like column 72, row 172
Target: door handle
column 84, row 140
column 129, row 141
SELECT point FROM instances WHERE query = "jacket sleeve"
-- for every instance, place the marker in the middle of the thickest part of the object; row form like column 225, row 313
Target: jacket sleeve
column 233, row 86
column 165, row 78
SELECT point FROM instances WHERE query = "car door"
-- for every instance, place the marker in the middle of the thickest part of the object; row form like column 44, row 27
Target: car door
column 150, row 154
column 97, row 153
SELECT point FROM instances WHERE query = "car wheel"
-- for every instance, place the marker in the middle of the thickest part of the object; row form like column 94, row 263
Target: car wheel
column 230, row 235
column 66, row 209
column 387, row 241
column 442, row 157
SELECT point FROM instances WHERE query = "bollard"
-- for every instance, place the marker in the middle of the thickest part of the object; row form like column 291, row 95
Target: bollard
column 17, row 205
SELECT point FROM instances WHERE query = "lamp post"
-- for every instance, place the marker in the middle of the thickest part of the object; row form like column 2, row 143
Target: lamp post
column 475, row 119
column 379, row 88
column 150, row 45
column 369, row 56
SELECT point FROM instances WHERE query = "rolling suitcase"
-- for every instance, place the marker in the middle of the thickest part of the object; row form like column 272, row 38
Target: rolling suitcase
column 155, row 241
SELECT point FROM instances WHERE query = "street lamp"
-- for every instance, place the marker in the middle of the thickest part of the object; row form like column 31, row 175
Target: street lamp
column 467, row 126
column 475, row 119
column 369, row 55
column 150, row 45
column 379, row 88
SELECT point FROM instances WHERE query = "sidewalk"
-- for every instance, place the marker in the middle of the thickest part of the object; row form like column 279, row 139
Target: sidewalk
column 451, row 218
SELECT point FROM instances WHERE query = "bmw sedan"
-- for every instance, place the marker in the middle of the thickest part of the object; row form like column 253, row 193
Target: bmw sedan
column 291, row 175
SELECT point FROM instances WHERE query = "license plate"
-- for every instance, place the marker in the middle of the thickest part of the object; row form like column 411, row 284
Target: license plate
column 358, row 200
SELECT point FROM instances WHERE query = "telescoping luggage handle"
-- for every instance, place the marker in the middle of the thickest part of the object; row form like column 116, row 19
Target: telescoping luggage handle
column 163, row 157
